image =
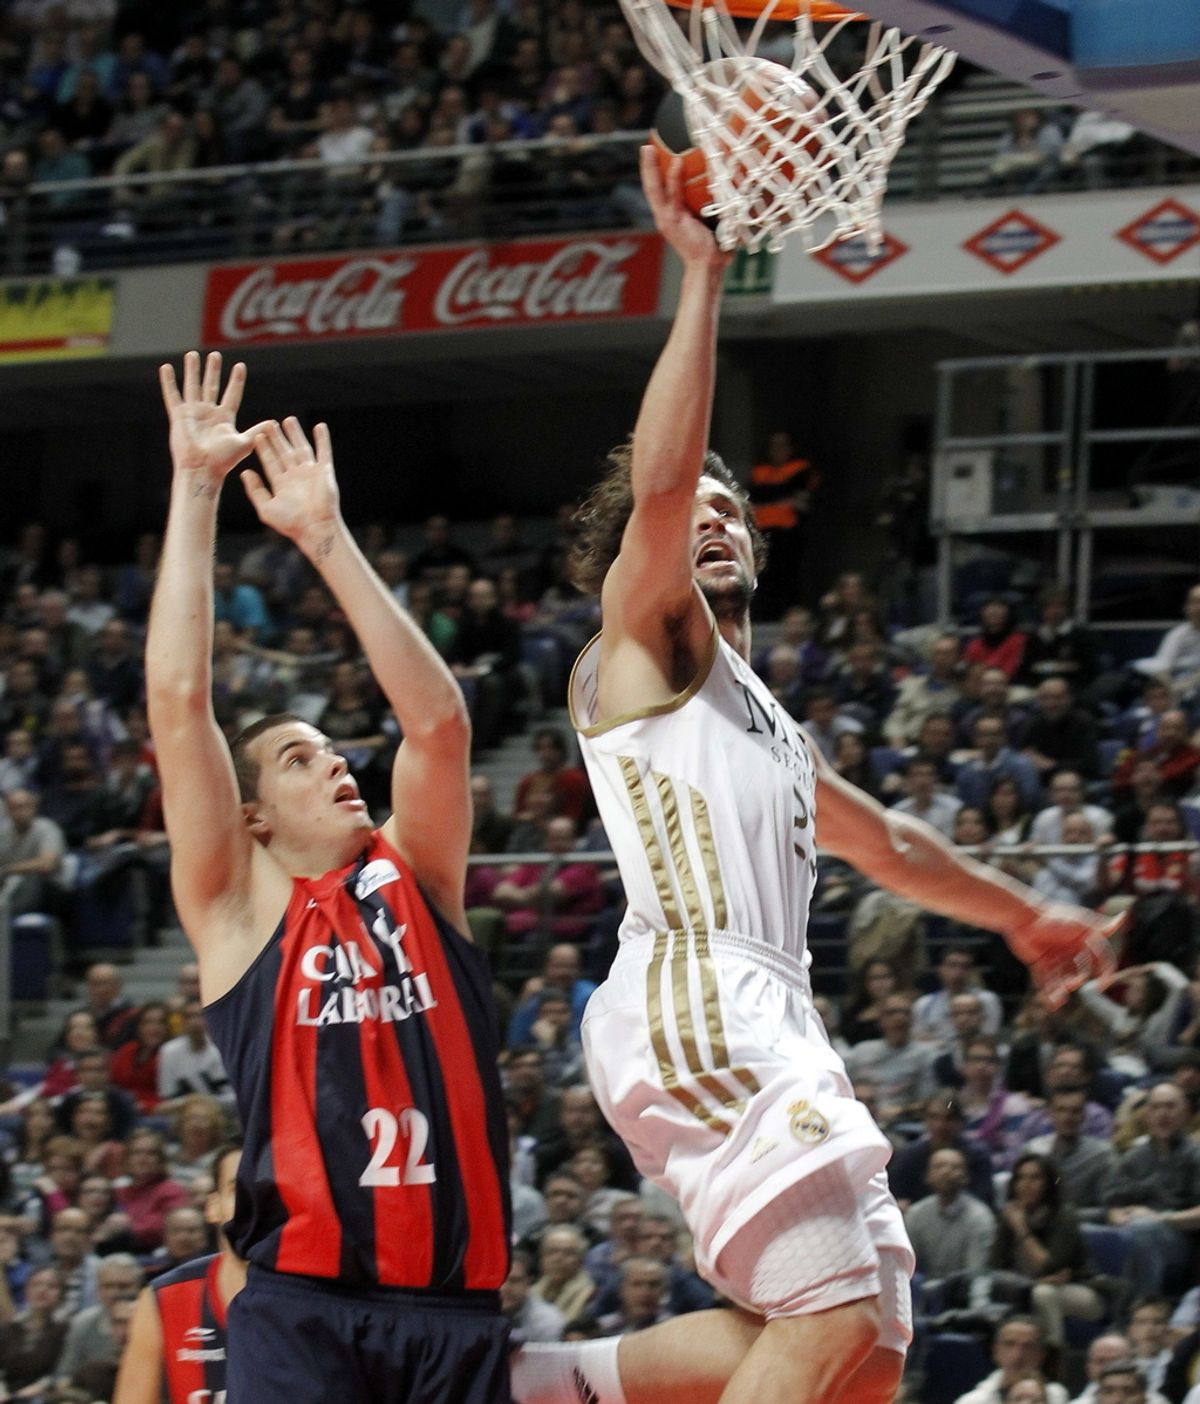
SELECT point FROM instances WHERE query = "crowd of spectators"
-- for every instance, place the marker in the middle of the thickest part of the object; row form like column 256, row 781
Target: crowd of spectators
column 1047, row 1161
column 130, row 90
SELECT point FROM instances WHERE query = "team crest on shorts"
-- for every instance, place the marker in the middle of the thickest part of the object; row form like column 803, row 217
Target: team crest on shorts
column 807, row 1124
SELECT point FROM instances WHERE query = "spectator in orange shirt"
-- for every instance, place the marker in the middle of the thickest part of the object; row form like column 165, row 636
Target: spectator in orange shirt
column 568, row 783
column 781, row 491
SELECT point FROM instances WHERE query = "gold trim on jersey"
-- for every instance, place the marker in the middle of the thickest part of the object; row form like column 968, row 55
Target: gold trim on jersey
column 677, row 947
column 653, row 849
column 658, row 709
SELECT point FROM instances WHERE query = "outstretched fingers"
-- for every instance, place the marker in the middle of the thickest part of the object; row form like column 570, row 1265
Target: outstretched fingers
column 170, row 389
column 231, row 400
column 191, row 376
column 212, row 377
column 324, row 445
column 296, row 437
column 271, row 446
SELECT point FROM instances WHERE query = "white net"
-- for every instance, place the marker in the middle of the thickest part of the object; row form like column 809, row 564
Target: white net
column 789, row 149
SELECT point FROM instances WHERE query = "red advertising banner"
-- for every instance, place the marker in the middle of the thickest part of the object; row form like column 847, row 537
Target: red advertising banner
column 531, row 283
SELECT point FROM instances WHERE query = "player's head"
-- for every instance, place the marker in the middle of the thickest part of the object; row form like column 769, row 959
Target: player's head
column 296, row 791
column 721, row 515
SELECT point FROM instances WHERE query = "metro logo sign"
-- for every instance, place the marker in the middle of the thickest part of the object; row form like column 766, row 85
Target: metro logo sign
column 436, row 289
column 1163, row 233
column 1012, row 241
column 853, row 260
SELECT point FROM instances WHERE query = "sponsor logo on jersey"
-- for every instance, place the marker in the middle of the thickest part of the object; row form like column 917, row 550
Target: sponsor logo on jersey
column 198, row 1335
column 384, row 1004
column 216, row 1353
column 356, row 973
column 375, row 875
column 807, row 1124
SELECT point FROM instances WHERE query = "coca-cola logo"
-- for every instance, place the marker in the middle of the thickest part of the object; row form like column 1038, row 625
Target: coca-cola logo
column 580, row 280
column 360, row 296
column 434, row 289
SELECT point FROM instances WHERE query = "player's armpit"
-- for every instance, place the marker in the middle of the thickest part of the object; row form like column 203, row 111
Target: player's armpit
column 139, row 1380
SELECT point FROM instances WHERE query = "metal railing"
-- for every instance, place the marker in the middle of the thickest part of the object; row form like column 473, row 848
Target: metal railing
column 303, row 207
column 505, row 190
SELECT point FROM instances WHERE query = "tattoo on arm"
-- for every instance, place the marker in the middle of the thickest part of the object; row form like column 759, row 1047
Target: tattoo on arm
column 323, row 548
column 204, row 490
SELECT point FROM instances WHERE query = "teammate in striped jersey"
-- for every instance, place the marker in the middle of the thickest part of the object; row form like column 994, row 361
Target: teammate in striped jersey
column 175, row 1353
column 703, row 1047
column 352, row 1013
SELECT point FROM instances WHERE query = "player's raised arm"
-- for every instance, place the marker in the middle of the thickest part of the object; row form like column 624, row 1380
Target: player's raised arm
column 211, row 849
column 431, row 822
column 1063, row 945
column 651, row 580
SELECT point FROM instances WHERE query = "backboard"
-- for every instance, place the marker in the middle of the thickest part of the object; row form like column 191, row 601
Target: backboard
column 1137, row 59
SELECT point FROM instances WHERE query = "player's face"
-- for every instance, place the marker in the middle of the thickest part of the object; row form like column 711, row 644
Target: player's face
column 305, row 789
column 722, row 552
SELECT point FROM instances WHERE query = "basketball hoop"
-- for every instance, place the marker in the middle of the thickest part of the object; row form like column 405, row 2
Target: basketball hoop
column 789, row 149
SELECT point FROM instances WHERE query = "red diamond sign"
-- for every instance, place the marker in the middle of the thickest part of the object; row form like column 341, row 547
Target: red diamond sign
column 853, row 260
column 1012, row 241
column 1164, row 232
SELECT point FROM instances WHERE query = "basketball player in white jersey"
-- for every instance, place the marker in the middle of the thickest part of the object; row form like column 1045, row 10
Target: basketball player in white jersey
column 703, row 1048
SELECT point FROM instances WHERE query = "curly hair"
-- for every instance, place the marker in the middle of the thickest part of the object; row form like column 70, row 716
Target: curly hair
column 599, row 522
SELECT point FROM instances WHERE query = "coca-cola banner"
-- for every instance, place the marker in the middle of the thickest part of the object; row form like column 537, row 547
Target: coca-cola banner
column 433, row 289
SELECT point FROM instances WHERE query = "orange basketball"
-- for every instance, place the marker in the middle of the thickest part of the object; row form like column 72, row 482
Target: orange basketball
column 759, row 84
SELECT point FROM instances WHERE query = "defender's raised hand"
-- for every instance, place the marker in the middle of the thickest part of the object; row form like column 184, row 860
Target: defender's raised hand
column 299, row 499
column 205, row 439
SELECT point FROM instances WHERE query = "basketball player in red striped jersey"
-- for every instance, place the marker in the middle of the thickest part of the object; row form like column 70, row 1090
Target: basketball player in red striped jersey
column 353, row 1015
column 175, row 1353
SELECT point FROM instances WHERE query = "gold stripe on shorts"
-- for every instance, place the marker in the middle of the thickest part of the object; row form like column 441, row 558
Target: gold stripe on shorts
column 661, row 1047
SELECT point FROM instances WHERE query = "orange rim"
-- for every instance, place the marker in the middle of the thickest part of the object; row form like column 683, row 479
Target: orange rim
column 823, row 11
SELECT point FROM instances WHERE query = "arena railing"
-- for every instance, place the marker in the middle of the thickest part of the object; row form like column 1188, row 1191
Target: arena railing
column 435, row 194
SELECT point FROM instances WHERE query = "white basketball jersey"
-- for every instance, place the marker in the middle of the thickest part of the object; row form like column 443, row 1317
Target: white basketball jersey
column 708, row 802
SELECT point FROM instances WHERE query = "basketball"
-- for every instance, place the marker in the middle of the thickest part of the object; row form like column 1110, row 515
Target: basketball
column 754, row 85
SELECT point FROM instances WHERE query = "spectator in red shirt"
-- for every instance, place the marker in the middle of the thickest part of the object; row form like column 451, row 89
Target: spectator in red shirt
column 134, row 1066
column 1173, row 753
column 534, row 894
column 568, row 783
column 150, row 1195
column 999, row 643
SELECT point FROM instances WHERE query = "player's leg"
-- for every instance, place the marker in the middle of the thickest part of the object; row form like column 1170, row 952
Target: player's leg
column 806, row 1359
column 877, row 1380
column 810, row 1263
column 687, row 1360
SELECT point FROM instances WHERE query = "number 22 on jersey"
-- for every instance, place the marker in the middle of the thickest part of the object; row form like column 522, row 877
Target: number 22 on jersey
column 384, row 1129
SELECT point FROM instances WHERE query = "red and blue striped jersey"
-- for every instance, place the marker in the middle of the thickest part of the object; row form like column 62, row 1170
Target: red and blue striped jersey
column 363, row 1044
column 193, row 1332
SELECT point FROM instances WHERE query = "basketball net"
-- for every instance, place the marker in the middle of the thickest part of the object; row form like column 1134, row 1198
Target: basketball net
column 775, row 166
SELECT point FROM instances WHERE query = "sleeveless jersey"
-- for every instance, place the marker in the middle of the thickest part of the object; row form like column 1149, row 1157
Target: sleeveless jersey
column 708, row 804
column 193, row 1332
column 362, row 1044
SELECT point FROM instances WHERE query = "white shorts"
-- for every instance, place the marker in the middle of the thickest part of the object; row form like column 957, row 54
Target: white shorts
column 707, row 1058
